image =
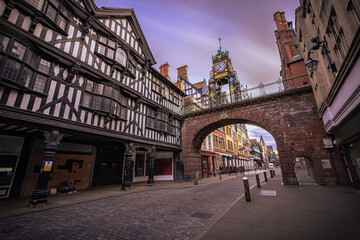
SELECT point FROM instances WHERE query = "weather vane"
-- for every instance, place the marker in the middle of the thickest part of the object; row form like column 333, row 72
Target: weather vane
column 220, row 42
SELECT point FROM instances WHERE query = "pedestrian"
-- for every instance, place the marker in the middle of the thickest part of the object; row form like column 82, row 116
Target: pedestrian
column 230, row 171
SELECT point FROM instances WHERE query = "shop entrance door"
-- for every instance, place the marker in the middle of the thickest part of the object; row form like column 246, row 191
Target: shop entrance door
column 205, row 166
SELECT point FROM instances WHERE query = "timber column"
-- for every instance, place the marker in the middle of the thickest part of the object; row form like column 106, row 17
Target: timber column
column 127, row 166
column 51, row 141
column 151, row 163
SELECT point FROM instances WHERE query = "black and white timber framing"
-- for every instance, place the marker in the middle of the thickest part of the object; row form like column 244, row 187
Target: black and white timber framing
column 86, row 72
column 91, row 66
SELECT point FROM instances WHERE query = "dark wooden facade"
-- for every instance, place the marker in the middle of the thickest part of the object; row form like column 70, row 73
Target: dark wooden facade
column 85, row 72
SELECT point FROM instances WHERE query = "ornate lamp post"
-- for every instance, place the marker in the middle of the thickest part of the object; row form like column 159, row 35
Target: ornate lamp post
column 40, row 193
column 312, row 64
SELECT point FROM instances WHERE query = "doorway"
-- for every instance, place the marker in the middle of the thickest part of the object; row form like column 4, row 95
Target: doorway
column 304, row 170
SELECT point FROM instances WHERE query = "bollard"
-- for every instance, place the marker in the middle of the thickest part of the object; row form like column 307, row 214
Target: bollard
column 220, row 175
column 247, row 190
column 271, row 173
column 196, row 180
column 265, row 176
column 257, row 180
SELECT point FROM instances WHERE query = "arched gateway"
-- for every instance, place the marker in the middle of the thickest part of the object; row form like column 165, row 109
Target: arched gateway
column 290, row 117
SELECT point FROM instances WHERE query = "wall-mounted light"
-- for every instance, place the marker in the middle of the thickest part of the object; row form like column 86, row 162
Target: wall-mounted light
column 312, row 64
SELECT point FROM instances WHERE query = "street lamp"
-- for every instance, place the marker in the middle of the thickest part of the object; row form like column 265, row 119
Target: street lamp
column 312, row 64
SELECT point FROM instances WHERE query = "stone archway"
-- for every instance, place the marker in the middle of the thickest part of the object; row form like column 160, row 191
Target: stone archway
column 291, row 118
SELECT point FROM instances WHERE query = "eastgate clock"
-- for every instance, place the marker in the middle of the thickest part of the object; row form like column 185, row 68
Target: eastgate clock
column 220, row 67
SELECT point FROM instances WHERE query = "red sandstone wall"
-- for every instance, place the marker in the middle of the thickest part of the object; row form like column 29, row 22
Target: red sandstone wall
column 293, row 122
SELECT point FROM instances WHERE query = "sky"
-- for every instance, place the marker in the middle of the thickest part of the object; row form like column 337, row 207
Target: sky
column 186, row 32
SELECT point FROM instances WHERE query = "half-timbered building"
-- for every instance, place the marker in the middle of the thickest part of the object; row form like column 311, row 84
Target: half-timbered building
column 80, row 103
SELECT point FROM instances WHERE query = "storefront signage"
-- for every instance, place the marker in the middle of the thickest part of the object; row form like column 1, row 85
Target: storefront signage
column 47, row 166
column 328, row 143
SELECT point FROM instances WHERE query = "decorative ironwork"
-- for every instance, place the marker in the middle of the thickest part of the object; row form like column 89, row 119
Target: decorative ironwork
column 217, row 98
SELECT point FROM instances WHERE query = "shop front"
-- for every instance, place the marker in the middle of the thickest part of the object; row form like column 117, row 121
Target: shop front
column 71, row 169
column 163, row 166
column 10, row 149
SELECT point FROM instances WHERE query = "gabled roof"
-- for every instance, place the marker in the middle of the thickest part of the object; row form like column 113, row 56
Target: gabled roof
column 131, row 17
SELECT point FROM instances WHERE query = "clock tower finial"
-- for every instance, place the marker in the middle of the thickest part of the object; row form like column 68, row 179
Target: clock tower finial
column 220, row 42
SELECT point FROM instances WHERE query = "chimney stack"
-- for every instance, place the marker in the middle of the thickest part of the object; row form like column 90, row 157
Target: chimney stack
column 183, row 72
column 164, row 70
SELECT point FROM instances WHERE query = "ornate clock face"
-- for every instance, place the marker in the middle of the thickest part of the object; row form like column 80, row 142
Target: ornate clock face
column 220, row 67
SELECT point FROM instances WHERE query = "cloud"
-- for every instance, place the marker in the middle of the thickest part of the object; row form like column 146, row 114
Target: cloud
column 256, row 132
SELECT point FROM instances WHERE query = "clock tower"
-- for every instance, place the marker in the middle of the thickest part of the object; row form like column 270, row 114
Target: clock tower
column 222, row 73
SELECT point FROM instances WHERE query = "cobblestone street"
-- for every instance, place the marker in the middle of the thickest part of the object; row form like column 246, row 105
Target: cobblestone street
column 154, row 214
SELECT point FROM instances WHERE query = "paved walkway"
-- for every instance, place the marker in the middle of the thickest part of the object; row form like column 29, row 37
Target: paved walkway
column 213, row 209
column 169, row 210
column 295, row 212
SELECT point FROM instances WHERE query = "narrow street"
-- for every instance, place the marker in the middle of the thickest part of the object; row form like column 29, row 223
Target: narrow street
column 153, row 214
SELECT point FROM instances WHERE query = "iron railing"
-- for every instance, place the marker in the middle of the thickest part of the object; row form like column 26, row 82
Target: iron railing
column 245, row 94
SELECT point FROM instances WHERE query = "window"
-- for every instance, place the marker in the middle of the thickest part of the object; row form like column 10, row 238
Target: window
column 99, row 88
column 86, row 100
column 11, row 70
column 222, row 143
column 155, row 85
column 18, row 50
column 26, row 77
column 38, row 4
column 3, row 43
column 40, row 83
column 23, row 66
column 109, row 49
column 216, row 141
column 108, row 91
column 89, row 85
column 209, row 142
column 54, row 10
column 336, row 33
column 44, row 66
column 121, row 56
column 97, row 102
column 104, row 98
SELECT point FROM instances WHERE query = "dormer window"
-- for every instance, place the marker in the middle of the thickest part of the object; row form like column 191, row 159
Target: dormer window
column 108, row 48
